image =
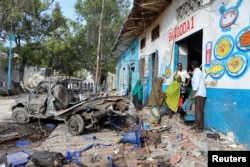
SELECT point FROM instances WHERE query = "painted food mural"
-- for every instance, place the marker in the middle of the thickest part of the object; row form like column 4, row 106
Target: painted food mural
column 243, row 39
column 215, row 70
column 228, row 18
column 167, row 71
column 236, row 65
column 223, row 47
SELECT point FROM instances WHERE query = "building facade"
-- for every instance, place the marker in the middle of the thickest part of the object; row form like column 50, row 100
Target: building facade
column 217, row 34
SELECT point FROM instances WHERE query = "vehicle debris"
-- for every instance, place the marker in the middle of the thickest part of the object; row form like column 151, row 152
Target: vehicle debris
column 50, row 100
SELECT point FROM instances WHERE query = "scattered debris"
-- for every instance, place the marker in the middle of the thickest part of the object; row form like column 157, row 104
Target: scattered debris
column 213, row 135
column 48, row 159
column 17, row 159
column 93, row 145
column 9, row 136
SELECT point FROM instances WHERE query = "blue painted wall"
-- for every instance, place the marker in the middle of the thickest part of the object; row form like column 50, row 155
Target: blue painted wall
column 123, row 69
column 228, row 110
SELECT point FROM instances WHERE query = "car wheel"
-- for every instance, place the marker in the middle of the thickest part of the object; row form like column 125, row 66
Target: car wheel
column 75, row 124
column 61, row 96
column 19, row 115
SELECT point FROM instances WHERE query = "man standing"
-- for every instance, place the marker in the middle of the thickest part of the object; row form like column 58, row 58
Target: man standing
column 199, row 95
column 185, row 80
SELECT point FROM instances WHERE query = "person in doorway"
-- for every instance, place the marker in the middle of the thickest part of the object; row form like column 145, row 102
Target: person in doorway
column 156, row 100
column 198, row 95
column 185, row 80
column 137, row 94
column 173, row 93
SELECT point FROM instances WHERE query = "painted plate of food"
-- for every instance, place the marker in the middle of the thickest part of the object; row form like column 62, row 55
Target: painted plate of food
column 236, row 65
column 223, row 47
column 167, row 71
column 243, row 39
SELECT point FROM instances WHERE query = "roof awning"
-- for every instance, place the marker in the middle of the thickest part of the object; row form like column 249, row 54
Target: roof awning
column 143, row 13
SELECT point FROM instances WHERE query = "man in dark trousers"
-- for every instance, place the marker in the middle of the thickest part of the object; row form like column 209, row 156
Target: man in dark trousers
column 199, row 95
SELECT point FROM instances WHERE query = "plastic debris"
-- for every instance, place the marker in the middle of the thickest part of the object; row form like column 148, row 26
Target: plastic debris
column 73, row 156
column 89, row 137
column 50, row 126
column 93, row 145
column 179, row 137
column 110, row 162
column 134, row 136
column 19, row 159
column 22, row 143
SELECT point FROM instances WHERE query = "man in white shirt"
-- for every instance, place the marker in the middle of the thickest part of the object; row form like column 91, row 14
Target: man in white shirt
column 185, row 78
column 199, row 95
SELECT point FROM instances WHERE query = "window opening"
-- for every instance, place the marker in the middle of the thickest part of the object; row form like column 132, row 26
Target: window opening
column 155, row 33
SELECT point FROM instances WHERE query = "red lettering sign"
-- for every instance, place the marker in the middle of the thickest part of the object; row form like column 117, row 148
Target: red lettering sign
column 181, row 29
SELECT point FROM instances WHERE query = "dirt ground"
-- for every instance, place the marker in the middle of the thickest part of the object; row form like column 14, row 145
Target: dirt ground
column 38, row 136
column 101, row 151
column 179, row 146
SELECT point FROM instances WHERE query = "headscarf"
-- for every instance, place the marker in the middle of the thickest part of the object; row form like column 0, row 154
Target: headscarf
column 138, row 90
column 157, row 97
column 173, row 94
column 177, row 76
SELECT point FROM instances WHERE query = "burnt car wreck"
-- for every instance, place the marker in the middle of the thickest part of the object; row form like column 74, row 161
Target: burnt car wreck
column 51, row 100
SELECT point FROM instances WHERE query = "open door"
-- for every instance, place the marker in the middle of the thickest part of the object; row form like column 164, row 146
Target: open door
column 189, row 49
column 152, row 74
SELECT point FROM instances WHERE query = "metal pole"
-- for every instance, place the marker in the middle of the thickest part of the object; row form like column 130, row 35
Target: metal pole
column 11, row 38
column 98, row 49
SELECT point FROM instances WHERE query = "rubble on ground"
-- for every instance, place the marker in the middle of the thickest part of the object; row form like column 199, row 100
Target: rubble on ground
column 170, row 143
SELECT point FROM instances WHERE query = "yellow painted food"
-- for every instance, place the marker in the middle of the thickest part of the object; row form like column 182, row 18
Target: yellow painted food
column 215, row 69
column 223, row 48
column 234, row 65
column 167, row 72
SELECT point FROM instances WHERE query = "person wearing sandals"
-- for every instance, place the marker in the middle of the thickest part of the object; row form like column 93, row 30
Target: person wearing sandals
column 199, row 95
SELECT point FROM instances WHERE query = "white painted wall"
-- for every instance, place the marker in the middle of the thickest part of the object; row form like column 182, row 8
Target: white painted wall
column 207, row 19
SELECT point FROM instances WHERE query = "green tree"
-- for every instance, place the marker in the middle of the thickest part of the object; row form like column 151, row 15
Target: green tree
column 61, row 51
column 30, row 25
column 89, row 13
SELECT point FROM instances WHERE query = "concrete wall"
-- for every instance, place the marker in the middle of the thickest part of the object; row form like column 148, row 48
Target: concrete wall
column 127, row 68
column 227, row 73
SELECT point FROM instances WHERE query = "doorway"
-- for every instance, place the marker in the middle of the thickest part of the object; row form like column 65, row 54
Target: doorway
column 154, row 65
column 190, row 48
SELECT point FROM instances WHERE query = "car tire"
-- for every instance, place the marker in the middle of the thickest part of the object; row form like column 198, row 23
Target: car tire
column 19, row 115
column 61, row 96
column 75, row 125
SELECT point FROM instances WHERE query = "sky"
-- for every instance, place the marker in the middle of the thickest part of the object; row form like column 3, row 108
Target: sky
column 67, row 7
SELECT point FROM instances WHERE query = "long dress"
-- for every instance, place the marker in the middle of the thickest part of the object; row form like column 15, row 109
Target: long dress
column 137, row 94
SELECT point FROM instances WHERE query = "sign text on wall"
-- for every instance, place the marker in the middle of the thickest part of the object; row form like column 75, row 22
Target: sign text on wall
column 181, row 29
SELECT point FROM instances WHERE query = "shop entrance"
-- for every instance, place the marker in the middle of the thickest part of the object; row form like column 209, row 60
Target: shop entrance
column 190, row 48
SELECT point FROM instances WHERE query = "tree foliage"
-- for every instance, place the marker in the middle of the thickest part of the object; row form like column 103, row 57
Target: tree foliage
column 57, row 42
column 30, row 25
column 89, row 13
